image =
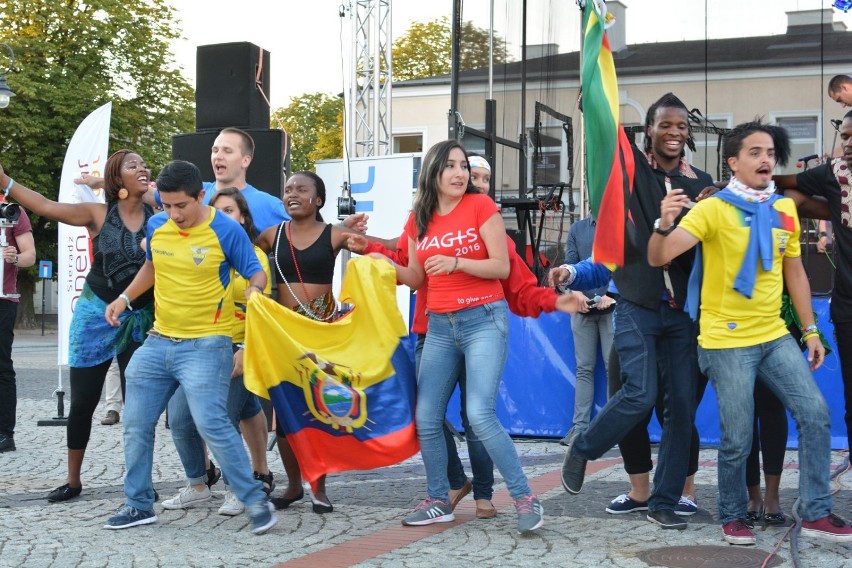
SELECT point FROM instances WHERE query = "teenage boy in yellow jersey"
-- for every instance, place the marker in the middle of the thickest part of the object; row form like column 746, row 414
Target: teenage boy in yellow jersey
column 191, row 251
column 750, row 252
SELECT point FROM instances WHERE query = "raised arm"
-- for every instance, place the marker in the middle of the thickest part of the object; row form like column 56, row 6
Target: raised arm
column 89, row 215
column 662, row 249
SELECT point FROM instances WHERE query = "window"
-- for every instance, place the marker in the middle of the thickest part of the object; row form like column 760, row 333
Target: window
column 407, row 143
column 802, row 129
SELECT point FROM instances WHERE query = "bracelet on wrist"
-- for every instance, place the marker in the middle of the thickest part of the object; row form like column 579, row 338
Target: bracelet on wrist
column 8, row 187
column 807, row 336
column 823, row 234
column 455, row 265
column 126, row 299
column 809, row 328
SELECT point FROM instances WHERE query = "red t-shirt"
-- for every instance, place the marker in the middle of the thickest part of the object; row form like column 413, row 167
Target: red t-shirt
column 457, row 234
column 10, row 272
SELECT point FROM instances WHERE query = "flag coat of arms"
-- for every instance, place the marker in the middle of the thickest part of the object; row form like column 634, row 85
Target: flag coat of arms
column 609, row 158
column 344, row 392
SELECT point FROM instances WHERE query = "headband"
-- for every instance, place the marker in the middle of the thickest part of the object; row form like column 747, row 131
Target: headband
column 478, row 162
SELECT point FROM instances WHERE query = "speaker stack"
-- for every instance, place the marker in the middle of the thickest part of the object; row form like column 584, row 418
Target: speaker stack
column 227, row 95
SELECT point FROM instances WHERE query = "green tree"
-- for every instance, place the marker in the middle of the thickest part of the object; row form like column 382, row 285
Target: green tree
column 426, row 49
column 313, row 122
column 72, row 57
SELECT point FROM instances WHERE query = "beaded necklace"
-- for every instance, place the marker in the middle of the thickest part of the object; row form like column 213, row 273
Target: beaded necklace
column 305, row 308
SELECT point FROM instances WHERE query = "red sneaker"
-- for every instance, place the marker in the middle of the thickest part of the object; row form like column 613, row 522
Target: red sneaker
column 831, row 528
column 738, row 532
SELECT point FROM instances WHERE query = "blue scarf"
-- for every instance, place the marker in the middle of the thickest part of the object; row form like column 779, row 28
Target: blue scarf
column 760, row 246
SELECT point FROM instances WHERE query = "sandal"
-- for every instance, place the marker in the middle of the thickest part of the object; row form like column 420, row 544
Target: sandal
column 64, row 493
column 775, row 519
column 268, row 483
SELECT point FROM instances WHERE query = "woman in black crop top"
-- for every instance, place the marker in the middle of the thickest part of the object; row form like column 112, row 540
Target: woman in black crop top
column 303, row 255
column 116, row 227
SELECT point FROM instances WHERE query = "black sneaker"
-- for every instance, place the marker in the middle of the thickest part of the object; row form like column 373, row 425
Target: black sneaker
column 573, row 472
column 667, row 519
column 7, row 444
column 214, row 474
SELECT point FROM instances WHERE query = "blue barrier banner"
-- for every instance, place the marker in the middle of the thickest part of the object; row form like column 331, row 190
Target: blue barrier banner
column 536, row 397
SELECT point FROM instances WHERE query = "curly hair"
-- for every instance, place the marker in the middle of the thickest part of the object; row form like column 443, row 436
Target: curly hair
column 780, row 139
column 112, row 174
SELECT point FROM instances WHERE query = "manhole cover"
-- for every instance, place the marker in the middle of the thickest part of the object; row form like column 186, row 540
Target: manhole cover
column 707, row 557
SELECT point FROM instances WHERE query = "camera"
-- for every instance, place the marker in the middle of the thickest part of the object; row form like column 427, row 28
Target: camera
column 345, row 207
column 9, row 213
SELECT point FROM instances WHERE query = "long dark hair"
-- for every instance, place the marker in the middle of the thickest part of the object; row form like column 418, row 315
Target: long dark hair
column 426, row 198
column 242, row 205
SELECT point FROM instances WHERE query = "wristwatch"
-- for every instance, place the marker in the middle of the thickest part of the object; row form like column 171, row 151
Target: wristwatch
column 664, row 232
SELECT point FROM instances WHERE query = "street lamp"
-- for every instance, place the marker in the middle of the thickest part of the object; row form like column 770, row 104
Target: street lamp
column 5, row 92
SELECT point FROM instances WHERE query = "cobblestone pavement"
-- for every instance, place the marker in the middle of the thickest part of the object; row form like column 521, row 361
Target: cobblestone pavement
column 363, row 530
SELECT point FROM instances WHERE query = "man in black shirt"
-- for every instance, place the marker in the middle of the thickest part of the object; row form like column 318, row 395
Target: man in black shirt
column 833, row 181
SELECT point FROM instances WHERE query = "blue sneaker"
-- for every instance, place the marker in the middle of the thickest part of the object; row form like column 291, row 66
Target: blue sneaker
column 262, row 517
column 530, row 514
column 624, row 504
column 686, row 507
column 128, row 516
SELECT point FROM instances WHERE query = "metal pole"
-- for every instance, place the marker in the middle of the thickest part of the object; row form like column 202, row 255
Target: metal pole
column 43, row 283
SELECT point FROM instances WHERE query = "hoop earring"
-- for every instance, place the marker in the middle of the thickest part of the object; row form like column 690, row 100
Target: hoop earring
column 122, row 193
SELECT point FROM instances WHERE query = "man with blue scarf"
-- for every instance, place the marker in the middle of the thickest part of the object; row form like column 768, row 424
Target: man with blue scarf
column 750, row 251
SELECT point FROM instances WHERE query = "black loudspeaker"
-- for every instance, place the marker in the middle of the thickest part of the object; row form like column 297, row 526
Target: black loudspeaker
column 269, row 167
column 819, row 269
column 226, row 92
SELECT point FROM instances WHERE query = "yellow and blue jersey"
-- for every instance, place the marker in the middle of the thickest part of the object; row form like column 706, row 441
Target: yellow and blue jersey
column 239, row 291
column 193, row 276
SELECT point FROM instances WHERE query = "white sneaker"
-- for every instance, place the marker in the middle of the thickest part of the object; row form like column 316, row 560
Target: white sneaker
column 188, row 497
column 232, row 506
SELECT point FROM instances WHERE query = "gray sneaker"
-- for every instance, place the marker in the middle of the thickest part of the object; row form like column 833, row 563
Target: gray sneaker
column 128, row 516
column 188, row 497
column 262, row 517
column 530, row 514
column 428, row 512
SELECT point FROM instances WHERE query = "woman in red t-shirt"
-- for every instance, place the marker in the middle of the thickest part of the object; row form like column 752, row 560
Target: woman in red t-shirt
column 458, row 249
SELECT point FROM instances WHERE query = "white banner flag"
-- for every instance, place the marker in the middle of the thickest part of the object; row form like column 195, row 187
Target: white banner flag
column 87, row 153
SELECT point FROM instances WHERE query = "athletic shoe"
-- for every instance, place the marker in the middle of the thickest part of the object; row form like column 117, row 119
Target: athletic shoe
column 188, row 497
column 573, row 472
column 232, row 506
column 64, row 493
column 428, row 512
column 530, row 514
column 686, row 507
column 624, row 504
column 262, row 517
column 7, row 443
column 831, row 528
column 667, row 519
column 128, row 516
column 738, row 532
column 112, row 417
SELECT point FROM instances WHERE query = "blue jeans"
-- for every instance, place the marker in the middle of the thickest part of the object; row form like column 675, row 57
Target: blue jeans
column 588, row 330
column 202, row 367
column 474, row 339
column 780, row 366
column 647, row 340
column 481, row 465
column 190, row 447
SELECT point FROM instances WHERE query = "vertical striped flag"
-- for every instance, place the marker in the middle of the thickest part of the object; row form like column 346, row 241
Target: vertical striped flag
column 609, row 158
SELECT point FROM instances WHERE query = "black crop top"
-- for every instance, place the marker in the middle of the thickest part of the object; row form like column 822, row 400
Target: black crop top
column 117, row 257
column 316, row 263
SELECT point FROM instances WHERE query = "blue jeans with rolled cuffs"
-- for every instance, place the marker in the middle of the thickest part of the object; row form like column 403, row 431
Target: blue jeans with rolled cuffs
column 202, row 367
column 779, row 365
column 474, row 338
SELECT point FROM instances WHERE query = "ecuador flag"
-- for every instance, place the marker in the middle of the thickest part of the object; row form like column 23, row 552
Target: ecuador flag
column 609, row 159
column 344, row 392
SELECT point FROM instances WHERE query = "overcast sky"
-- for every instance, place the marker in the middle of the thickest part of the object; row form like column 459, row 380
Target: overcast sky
column 307, row 54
